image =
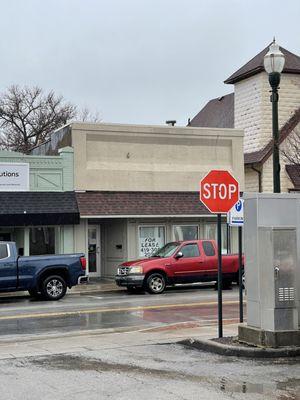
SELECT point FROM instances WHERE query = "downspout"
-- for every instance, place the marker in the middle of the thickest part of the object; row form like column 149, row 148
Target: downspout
column 259, row 178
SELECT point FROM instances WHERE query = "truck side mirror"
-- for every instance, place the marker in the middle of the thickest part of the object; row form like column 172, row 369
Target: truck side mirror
column 178, row 255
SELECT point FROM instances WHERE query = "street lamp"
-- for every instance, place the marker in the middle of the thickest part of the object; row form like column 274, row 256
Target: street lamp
column 274, row 63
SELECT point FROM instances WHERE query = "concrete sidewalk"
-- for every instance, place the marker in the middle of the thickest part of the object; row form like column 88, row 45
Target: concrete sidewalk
column 96, row 340
column 97, row 285
column 140, row 364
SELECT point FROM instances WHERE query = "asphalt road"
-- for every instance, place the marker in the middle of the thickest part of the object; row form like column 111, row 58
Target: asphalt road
column 113, row 311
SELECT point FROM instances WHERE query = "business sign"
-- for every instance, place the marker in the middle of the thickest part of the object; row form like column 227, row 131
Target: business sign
column 14, row 177
column 235, row 217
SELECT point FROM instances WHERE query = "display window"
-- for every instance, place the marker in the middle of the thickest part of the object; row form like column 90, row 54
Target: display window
column 151, row 238
column 185, row 232
column 42, row 240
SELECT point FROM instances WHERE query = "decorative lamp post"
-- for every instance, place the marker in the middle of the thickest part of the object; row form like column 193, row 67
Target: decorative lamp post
column 274, row 63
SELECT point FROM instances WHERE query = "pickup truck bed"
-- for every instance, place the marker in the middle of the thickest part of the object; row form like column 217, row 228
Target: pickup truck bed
column 46, row 276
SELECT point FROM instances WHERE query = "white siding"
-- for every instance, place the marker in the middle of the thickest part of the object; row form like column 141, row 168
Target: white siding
column 251, row 180
column 253, row 111
column 267, row 178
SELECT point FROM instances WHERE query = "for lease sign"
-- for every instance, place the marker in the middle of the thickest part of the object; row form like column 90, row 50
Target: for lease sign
column 149, row 245
column 14, row 177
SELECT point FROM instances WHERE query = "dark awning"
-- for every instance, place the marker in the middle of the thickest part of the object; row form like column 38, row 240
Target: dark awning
column 126, row 204
column 38, row 208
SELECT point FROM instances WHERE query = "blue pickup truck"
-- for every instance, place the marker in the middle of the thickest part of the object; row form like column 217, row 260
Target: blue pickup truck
column 46, row 277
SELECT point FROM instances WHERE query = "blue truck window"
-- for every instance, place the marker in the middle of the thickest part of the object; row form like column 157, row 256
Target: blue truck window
column 3, row 251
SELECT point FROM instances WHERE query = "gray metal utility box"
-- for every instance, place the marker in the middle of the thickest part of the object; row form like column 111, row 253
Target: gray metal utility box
column 272, row 263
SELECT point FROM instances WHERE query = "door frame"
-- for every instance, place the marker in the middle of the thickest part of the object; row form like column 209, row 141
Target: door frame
column 98, row 252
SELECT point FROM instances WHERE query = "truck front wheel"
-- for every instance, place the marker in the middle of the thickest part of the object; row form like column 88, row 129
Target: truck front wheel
column 156, row 283
column 53, row 287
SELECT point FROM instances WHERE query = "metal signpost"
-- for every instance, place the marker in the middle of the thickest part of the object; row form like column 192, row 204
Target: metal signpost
column 219, row 192
column 235, row 217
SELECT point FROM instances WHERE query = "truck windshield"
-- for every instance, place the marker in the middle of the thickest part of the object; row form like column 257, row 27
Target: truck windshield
column 167, row 250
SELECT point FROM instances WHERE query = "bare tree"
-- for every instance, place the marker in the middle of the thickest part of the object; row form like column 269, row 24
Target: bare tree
column 291, row 148
column 28, row 116
column 86, row 115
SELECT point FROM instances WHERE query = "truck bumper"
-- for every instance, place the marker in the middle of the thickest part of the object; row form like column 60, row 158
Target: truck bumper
column 130, row 280
column 83, row 279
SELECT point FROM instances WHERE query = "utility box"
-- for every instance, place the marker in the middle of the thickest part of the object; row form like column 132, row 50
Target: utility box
column 272, row 269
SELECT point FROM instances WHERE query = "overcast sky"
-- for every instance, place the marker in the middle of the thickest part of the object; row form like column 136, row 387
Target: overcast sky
column 139, row 61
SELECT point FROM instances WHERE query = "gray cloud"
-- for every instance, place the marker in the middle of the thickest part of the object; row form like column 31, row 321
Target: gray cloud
column 138, row 61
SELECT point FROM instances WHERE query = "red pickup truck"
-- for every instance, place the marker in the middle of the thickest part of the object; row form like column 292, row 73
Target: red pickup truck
column 178, row 262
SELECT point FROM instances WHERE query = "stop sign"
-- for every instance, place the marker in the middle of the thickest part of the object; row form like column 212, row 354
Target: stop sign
column 219, row 191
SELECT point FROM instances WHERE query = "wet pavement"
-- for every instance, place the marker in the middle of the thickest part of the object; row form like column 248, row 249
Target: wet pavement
column 113, row 310
column 147, row 371
column 119, row 346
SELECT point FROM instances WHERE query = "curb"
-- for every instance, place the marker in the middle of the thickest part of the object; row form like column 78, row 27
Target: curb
column 90, row 290
column 18, row 339
column 211, row 346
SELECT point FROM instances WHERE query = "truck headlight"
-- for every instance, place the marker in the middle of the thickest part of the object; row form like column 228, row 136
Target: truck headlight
column 137, row 269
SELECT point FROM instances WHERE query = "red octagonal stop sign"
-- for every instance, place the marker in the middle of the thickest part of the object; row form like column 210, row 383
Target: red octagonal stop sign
column 219, row 191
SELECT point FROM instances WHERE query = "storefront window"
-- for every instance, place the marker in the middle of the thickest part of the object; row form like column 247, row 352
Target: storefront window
column 210, row 232
column 42, row 241
column 151, row 238
column 185, row 232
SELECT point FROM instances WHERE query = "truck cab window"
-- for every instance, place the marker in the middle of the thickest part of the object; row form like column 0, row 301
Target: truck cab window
column 190, row 250
column 3, row 251
column 208, row 248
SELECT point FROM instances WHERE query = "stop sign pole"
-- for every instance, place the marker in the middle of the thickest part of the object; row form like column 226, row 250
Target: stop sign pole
column 219, row 192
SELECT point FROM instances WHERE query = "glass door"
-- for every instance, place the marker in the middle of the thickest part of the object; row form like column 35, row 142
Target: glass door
column 94, row 250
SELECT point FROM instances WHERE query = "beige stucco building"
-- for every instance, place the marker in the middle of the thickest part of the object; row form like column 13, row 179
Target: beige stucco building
column 249, row 108
column 137, row 186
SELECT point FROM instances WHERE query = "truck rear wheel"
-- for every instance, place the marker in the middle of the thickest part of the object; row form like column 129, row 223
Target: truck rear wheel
column 156, row 283
column 53, row 287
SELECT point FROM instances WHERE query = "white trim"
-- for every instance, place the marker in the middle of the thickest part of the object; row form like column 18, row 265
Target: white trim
column 151, row 216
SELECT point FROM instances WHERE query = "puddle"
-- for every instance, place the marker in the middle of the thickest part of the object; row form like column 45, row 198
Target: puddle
column 288, row 390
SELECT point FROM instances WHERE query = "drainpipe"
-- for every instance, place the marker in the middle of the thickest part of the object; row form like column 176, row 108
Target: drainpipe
column 259, row 178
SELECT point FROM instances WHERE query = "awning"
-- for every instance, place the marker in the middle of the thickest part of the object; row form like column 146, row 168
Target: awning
column 38, row 208
column 140, row 204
